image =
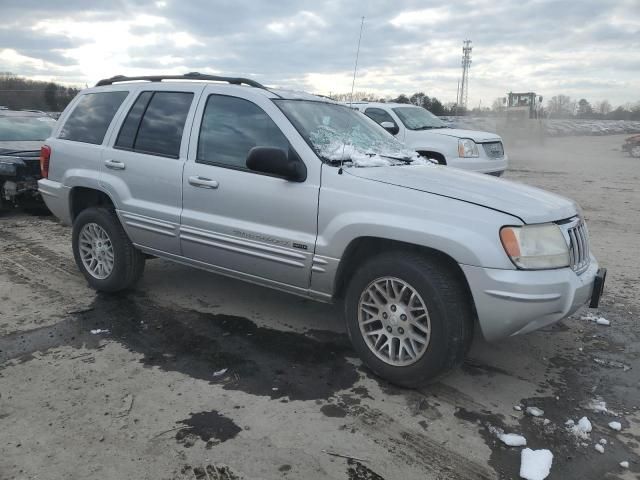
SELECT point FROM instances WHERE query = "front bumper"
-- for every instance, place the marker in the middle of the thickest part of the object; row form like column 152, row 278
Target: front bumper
column 480, row 164
column 512, row 302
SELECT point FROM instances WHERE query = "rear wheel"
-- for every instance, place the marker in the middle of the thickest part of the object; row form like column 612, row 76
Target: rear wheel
column 103, row 252
column 409, row 317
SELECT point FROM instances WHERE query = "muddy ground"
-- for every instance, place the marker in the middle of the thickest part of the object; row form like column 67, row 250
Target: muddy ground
column 197, row 376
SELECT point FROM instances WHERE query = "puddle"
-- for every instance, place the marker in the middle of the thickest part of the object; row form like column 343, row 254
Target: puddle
column 210, row 427
column 359, row 471
column 258, row 360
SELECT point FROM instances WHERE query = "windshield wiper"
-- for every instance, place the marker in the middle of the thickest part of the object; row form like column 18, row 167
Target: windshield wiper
column 405, row 160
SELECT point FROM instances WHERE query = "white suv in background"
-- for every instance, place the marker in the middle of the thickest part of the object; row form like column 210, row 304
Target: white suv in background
column 425, row 133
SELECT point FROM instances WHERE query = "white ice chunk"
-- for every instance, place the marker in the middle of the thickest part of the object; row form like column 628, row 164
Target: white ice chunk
column 598, row 406
column 513, row 439
column 580, row 429
column 599, row 448
column 624, row 464
column 217, row 373
column 535, row 464
column 98, row 331
column 603, row 321
column 517, row 408
column 535, row 411
column 617, row 426
column 602, row 441
column 584, row 425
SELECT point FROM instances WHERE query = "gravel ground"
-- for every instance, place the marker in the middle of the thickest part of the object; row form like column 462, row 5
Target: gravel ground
column 192, row 375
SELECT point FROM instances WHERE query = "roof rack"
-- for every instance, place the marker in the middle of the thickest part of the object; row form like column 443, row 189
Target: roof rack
column 186, row 76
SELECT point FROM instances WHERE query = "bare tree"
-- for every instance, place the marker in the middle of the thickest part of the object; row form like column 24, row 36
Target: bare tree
column 603, row 107
column 561, row 106
column 498, row 105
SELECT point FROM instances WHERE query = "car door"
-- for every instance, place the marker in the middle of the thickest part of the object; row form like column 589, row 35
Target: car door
column 247, row 224
column 142, row 168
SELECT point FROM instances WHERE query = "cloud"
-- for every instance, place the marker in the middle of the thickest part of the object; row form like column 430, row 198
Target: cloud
column 547, row 46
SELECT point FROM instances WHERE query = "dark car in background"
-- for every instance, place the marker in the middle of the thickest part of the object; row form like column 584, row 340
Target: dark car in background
column 21, row 136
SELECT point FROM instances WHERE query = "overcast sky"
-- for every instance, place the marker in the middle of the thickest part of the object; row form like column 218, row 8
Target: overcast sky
column 581, row 48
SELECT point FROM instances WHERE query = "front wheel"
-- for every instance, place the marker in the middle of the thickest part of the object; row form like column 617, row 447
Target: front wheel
column 103, row 252
column 409, row 317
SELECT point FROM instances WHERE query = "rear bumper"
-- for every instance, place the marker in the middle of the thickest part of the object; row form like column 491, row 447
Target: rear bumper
column 481, row 164
column 56, row 197
column 513, row 302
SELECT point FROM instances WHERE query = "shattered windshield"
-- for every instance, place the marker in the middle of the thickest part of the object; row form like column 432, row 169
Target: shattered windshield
column 341, row 135
column 417, row 118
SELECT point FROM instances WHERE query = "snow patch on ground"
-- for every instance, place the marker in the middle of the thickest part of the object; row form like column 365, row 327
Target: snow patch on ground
column 594, row 318
column 513, row 439
column 617, row 426
column 535, row 464
column 98, row 331
column 535, row 411
column 624, row 464
column 581, row 429
column 597, row 405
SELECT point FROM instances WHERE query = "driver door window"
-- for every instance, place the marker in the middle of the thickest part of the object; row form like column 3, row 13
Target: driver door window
column 378, row 115
column 232, row 126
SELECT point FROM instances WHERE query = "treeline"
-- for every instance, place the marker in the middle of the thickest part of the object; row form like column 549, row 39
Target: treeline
column 19, row 93
column 558, row 106
column 432, row 104
column 563, row 106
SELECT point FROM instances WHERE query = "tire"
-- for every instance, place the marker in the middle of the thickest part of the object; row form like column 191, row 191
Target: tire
column 127, row 262
column 449, row 311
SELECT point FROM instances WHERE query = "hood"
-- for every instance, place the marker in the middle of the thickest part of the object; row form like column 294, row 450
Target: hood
column 21, row 145
column 474, row 135
column 529, row 204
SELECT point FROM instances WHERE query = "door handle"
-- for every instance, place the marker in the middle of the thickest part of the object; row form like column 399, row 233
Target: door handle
column 114, row 164
column 203, row 182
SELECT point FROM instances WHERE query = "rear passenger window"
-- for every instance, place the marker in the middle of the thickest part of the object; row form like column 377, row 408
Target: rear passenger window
column 231, row 127
column 91, row 117
column 155, row 123
column 129, row 129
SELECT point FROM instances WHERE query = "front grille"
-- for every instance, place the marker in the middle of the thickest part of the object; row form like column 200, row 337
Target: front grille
column 579, row 246
column 493, row 149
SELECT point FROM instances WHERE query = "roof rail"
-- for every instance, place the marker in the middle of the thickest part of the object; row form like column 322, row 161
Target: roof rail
column 186, row 76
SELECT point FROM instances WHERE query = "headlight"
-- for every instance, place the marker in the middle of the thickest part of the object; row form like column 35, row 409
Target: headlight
column 8, row 169
column 536, row 247
column 467, row 148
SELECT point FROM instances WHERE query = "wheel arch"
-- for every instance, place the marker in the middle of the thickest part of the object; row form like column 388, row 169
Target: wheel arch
column 81, row 198
column 435, row 155
column 363, row 248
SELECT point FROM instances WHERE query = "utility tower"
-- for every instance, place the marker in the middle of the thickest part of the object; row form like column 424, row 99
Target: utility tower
column 463, row 90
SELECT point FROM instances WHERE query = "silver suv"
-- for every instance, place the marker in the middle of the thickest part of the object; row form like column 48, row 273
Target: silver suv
column 302, row 194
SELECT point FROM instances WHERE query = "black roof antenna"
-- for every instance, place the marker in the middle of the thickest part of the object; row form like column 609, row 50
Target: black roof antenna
column 353, row 83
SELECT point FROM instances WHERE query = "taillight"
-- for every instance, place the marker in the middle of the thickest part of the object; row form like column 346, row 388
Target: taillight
column 45, row 155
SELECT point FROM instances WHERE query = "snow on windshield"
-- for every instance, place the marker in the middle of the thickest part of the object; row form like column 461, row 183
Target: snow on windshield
column 340, row 134
column 360, row 149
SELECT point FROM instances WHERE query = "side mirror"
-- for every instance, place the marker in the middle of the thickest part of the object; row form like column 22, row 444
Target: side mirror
column 390, row 127
column 277, row 162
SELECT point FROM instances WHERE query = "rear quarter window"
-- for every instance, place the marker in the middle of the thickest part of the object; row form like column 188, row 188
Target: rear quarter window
column 155, row 123
column 91, row 117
